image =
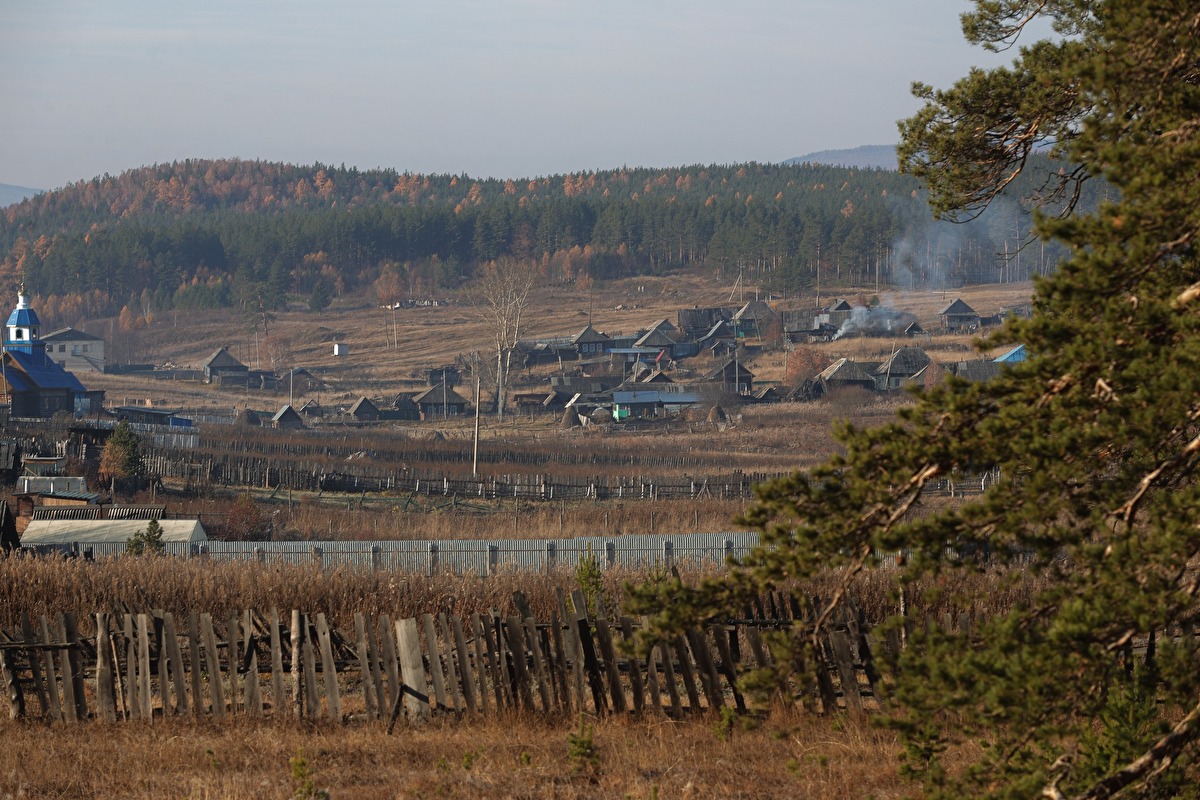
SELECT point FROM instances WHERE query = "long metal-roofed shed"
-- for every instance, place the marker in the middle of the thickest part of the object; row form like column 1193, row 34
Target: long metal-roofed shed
column 108, row 531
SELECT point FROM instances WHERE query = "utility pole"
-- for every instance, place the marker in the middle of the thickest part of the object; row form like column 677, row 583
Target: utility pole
column 818, row 274
column 475, row 452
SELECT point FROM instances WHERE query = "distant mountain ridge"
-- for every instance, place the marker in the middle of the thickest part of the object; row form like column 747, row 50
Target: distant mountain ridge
column 10, row 194
column 869, row 156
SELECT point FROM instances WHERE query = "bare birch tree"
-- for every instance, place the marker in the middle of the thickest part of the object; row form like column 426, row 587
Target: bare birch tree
column 501, row 295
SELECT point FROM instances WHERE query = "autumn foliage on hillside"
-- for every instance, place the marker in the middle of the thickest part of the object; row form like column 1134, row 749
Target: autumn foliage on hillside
column 216, row 234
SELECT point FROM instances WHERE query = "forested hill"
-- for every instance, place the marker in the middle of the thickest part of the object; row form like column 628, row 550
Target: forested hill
column 196, row 234
column 869, row 156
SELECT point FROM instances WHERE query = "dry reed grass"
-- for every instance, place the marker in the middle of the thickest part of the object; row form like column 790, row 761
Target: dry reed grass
column 497, row 757
column 502, row 520
column 50, row 585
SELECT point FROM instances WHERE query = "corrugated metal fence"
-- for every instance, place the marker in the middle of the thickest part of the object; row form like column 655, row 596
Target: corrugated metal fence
column 479, row 557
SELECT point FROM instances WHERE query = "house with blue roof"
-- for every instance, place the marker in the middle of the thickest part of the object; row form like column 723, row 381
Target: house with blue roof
column 651, row 403
column 1014, row 356
column 33, row 383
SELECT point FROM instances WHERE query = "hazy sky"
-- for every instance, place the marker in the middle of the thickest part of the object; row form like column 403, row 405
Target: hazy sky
column 507, row 88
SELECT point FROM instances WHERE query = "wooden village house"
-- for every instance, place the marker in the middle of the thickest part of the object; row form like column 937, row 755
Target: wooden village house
column 221, row 367
column 958, row 316
column 364, row 410
column 287, row 418
column 590, row 342
column 900, row 368
column 732, row 376
column 440, row 401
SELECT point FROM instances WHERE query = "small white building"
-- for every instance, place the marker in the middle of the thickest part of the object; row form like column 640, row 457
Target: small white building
column 76, row 350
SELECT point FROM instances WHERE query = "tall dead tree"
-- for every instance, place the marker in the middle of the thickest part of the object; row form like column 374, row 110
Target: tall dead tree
column 501, row 294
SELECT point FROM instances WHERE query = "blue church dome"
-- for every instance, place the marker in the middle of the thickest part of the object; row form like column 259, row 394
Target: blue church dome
column 23, row 330
column 24, row 317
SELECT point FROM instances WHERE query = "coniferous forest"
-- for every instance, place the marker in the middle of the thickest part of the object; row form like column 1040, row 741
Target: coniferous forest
column 209, row 234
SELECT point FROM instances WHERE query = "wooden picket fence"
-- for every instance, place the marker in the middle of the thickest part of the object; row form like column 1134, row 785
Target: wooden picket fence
column 150, row 665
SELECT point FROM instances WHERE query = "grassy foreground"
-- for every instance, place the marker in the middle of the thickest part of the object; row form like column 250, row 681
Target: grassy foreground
column 789, row 756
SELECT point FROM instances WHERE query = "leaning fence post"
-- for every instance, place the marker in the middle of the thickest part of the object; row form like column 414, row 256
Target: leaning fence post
column 296, row 659
column 11, row 686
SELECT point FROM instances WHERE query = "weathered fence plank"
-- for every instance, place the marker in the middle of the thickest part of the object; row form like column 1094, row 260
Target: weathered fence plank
column 360, row 638
column 252, row 682
column 464, row 664
column 278, row 697
column 105, row 695
column 145, row 694
column 635, row 673
column 727, row 667
column 391, row 664
column 374, row 674
column 297, row 661
column 10, row 686
column 212, row 662
column 312, row 700
column 483, row 628
column 134, row 710
column 516, row 648
column 193, row 628
column 539, row 663
column 329, row 668
column 436, row 673
column 481, row 669
column 844, row 659
column 705, row 670
column 611, row 667
column 452, row 680
column 35, row 669
column 416, row 695
column 175, row 660
column 591, row 664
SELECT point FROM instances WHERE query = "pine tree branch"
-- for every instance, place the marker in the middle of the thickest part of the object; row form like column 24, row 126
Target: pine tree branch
column 910, row 495
column 1127, row 510
column 1160, row 756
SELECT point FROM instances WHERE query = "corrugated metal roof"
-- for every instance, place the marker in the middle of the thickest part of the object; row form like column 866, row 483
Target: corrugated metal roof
column 108, row 531
column 46, row 374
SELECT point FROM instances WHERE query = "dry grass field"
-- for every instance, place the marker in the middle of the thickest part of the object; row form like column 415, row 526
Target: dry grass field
column 501, row 757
